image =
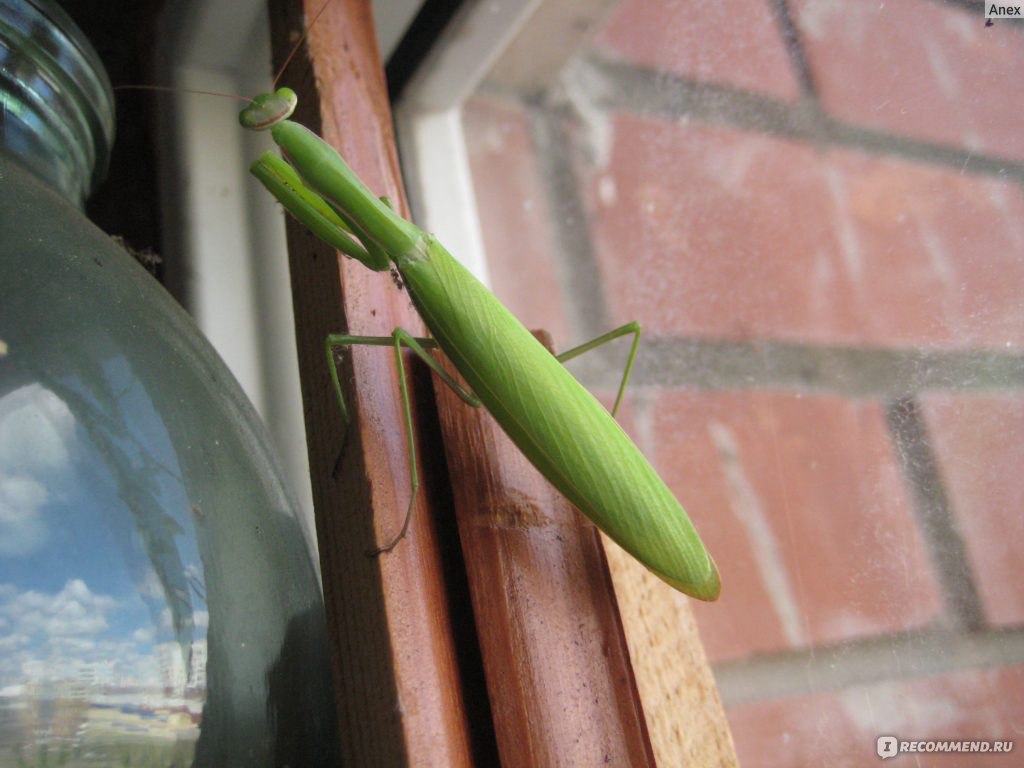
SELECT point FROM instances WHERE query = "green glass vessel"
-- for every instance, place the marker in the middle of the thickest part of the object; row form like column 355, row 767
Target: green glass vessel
column 159, row 602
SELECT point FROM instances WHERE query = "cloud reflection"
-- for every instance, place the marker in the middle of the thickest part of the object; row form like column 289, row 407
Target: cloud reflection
column 36, row 430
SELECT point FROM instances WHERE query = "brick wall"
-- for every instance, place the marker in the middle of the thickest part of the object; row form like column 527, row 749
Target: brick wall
column 815, row 210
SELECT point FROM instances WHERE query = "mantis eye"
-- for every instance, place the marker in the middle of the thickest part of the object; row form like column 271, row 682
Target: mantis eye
column 268, row 109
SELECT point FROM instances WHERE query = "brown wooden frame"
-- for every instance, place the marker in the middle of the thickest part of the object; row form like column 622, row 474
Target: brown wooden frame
column 539, row 672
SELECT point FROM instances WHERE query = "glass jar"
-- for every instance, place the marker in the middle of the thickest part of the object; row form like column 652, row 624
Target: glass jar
column 159, row 601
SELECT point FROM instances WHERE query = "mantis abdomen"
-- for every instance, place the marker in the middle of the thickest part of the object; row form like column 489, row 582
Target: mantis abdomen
column 568, row 435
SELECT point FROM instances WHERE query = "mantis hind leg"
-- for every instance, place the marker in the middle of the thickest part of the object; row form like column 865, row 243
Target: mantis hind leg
column 625, row 330
column 399, row 338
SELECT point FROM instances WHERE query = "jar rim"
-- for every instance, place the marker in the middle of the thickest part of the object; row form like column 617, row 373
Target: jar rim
column 57, row 100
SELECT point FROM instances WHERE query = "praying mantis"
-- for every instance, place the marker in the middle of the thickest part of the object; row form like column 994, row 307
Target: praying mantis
column 560, row 427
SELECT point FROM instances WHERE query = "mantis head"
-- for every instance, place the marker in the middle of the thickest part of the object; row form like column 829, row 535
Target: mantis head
column 268, row 109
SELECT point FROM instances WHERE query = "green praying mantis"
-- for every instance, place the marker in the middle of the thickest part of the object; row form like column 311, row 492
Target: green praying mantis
column 560, row 427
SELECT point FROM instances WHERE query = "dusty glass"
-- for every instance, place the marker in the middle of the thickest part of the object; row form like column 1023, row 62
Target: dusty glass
column 159, row 602
column 815, row 211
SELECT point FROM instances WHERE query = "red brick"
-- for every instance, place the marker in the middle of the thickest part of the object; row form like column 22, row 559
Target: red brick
column 709, row 231
column 736, row 43
column 687, row 239
column 801, row 504
column 979, row 443
column 919, row 68
column 513, row 214
column 943, row 253
column 841, row 728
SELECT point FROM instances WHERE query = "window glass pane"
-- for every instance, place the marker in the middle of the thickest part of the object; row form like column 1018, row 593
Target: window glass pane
column 815, row 211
